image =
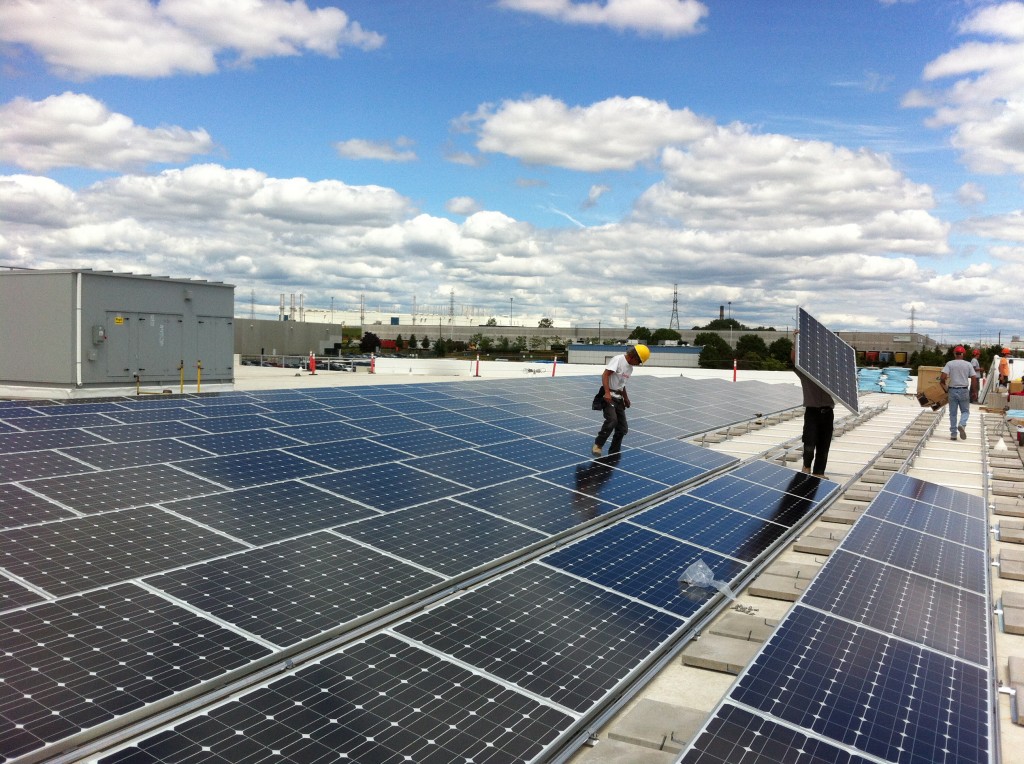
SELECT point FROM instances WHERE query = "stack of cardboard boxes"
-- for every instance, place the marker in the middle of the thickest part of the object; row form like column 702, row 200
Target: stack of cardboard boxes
column 929, row 391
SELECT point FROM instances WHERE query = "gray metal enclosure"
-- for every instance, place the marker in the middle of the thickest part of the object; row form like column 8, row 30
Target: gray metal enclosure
column 84, row 328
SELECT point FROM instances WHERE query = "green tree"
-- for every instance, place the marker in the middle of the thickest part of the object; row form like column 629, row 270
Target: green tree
column 369, row 343
column 722, row 324
column 670, row 335
column 398, row 342
column 486, row 343
column 503, row 344
column 715, row 351
column 440, row 347
column 425, row 343
column 519, row 344
column 641, row 333
column 750, row 345
column 545, row 323
column 492, row 321
column 412, row 342
column 537, row 343
column 781, row 349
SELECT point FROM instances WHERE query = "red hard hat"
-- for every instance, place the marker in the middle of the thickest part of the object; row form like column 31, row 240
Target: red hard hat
column 959, row 350
column 1006, row 351
column 976, row 352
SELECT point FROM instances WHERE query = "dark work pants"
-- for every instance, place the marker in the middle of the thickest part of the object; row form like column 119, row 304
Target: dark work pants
column 614, row 420
column 817, row 437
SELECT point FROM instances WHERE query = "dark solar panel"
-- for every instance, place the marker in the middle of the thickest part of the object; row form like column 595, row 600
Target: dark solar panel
column 736, row 736
column 388, row 487
column 827, row 360
column 939, row 495
column 270, row 512
column 84, row 552
column 252, row 468
column 39, row 464
column 907, row 605
column 116, row 489
column 563, row 639
column 19, row 507
column 644, row 565
column 13, row 442
column 296, row 589
column 346, row 707
column 537, row 504
column 75, row 663
column 443, row 536
column 470, row 468
column 712, row 526
column 876, row 693
column 912, row 550
column 321, row 511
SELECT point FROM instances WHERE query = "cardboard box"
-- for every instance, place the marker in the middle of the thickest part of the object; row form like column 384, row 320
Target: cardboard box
column 929, row 391
column 1016, row 387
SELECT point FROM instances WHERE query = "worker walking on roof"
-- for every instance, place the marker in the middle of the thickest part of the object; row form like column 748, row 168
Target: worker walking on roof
column 615, row 398
column 955, row 379
column 819, row 419
column 976, row 379
column 1004, row 368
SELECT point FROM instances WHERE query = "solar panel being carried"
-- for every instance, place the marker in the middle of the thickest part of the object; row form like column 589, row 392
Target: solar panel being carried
column 828, row 360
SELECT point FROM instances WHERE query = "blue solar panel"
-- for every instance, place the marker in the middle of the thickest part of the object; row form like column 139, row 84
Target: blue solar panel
column 644, row 565
column 826, row 359
column 873, row 692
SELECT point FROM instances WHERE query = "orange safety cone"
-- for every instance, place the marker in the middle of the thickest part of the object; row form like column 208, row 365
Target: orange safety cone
column 733, row 369
column 477, row 366
column 554, row 366
column 312, row 363
column 373, row 363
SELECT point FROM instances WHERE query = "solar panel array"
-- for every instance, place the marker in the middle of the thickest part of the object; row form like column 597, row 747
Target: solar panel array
column 154, row 549
column 885, row 658
column 827, row 359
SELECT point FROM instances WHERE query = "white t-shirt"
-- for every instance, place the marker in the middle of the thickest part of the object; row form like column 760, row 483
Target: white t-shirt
column 621, row 371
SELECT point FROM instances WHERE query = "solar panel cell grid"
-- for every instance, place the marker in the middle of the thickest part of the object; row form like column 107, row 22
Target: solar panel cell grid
column 297, row 589
column 563, row 639
column 343, row 709
column 75, row 663
column 828, row 360
column 864, row 689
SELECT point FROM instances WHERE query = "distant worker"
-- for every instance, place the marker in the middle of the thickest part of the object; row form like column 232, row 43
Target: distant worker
column 1004, row 368
column 616, row 399
column 819, row 416
column 976, row 379
column 955, row 379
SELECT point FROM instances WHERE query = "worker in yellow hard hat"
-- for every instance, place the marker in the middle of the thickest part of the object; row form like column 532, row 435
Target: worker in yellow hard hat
column 614, row 399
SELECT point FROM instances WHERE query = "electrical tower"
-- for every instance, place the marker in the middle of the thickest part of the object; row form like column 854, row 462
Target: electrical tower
column 451, row 314
column 673, row 322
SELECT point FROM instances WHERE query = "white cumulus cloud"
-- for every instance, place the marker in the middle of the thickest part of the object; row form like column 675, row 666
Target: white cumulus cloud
column 668, row 18
column 76, row 130
column 139, row 38
column 359, row 148
column 614, row 134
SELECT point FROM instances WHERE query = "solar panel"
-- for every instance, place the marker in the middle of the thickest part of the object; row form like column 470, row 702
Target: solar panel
column 84, row 660
column 885, row 653
column 828, row 360
column 548, row 633
column 296, row 589
column 879, row 694
column 345, row 707
column 319, row 512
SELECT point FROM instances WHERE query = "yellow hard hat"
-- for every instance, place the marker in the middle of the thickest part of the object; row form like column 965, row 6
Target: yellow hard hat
column 642, row 352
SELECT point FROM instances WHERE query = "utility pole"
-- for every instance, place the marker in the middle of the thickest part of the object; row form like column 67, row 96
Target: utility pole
column 673, row 321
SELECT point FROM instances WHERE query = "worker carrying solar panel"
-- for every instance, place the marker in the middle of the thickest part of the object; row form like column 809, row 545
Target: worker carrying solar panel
column 819, row 417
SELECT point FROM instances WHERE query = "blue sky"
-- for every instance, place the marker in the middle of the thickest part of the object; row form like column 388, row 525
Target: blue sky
column 862, row 159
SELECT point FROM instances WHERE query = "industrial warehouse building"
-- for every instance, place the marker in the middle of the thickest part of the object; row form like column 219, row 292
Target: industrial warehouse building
column 83, row 330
